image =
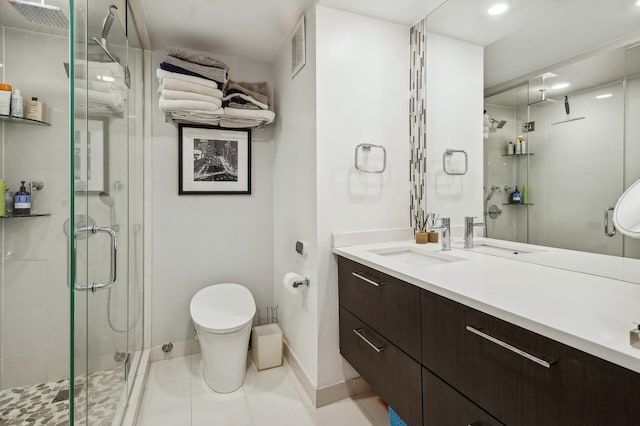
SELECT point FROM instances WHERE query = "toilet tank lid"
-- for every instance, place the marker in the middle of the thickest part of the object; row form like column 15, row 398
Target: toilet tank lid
column 223, row 308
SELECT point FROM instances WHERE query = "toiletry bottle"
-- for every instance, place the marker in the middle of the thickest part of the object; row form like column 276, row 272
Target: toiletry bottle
column 8, row 202
column 525, row 194
column 518, row 147
column 523, row 145
column 510, row 149
column 515, row 196
column 5, row 99
column 22, row 201
column 34, row 109
column 17, row 104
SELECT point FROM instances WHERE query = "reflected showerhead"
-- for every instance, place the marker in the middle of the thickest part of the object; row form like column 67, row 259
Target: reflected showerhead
column 40, row 13
column 108, row 21
column 501, row 123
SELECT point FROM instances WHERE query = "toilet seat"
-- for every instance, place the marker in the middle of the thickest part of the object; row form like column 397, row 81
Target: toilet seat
column 223, row 308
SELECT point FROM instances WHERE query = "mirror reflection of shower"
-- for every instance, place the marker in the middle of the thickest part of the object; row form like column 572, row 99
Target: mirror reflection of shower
column 492, row 211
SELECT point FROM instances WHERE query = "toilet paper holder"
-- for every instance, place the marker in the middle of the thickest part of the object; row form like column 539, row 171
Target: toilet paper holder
column 299, row 283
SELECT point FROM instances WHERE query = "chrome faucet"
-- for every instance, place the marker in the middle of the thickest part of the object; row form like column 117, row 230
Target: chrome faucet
column 468, row 230
column 446, row 232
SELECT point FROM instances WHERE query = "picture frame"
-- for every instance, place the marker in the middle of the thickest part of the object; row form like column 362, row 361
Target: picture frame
column 90, row 156
column 213, row 160
column 298, row 48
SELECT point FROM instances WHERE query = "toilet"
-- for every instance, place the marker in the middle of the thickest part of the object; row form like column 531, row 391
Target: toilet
column 223, row 314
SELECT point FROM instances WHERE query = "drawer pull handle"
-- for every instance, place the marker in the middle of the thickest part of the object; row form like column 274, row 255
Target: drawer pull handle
column 509, row 347
column 359, row 331
column 367, row 280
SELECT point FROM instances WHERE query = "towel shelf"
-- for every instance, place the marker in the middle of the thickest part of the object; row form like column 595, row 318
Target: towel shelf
column 216, row 119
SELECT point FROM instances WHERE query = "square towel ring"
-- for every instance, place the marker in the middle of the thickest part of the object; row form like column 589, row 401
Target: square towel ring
column 450, row 153
column 366, row 147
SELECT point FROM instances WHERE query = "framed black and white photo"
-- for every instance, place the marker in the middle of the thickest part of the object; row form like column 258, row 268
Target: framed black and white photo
column 213, row 160
column 89, row 165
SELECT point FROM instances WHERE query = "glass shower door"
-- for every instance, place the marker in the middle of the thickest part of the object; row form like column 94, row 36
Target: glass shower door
column 101, row 145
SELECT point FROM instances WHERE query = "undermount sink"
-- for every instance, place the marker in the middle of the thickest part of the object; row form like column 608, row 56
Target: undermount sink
column 499, row 249
column 413, row 257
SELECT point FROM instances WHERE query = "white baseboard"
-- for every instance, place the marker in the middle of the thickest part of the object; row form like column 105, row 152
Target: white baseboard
column 327, row 394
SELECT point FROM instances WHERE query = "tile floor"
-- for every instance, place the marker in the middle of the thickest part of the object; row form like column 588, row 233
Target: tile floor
column 177, row 395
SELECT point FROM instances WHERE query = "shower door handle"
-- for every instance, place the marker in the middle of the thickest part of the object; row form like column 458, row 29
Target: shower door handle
column 606, row 222
column 113, row 274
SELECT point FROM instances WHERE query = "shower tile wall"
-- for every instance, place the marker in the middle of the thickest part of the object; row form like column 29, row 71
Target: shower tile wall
column 417, row 118
column 570, row 200
column 500, row 171
column 35, row 304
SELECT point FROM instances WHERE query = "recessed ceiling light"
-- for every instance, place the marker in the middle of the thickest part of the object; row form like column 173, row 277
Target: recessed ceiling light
column 559, row 86
column 606, row 95
column 499, row 8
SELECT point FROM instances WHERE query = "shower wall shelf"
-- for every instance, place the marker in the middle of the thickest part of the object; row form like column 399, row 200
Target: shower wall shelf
column 517, row 155
column 21, row 120
column 517, row 204
column 17, row 216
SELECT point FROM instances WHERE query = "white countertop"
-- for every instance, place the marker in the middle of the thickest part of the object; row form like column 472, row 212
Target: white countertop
column 589, row 312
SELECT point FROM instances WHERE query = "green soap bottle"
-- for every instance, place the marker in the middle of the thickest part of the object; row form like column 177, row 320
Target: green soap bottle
column 525, row 194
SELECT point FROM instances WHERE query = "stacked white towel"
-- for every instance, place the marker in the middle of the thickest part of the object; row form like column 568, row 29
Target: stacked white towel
column 191, row 89
column 188, row 97
column 100, row 87
column 246, row 104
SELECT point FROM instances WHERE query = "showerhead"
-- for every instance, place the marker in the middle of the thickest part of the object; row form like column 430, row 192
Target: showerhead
column 108, row 21
column 40, row 13
column 543, row 100
column 501, row 123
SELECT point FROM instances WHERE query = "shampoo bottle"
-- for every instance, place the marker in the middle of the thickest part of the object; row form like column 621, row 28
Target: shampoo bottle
column 17, row 104
column 8, row 202
column 22, row 201
column 34, row 109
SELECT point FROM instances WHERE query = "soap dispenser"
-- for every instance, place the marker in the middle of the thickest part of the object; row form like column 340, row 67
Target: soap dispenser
column 516, row 197
column 22, row 201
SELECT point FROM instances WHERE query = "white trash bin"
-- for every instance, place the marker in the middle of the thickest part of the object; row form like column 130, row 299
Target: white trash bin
column 266, row 346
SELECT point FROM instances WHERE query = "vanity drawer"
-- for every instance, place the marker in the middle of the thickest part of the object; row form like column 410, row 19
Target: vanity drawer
column 518, row 376
column 390, row 306
column 444, row 406
column 390, row 372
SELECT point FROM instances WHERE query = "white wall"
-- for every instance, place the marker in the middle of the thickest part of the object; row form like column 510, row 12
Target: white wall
column 454, row 121
column 362, row 96
column 199, row 240
column 294, row 195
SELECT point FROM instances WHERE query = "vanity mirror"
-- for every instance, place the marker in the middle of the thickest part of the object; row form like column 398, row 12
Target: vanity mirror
column 567, row 104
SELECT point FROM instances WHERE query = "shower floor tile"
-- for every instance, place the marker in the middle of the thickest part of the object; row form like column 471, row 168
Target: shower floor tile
column 34, row 405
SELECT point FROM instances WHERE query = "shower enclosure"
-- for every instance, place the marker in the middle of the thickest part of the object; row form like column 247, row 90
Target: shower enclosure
column 582, row 152
column 71, row 271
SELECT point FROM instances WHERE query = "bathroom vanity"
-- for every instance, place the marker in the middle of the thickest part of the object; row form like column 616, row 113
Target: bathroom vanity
column 463, row 337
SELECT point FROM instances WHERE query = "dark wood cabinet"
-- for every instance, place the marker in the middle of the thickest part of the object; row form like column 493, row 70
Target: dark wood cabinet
column 444, row 363
column 444, row 406
column 392, row 373
column 385, row 303
column 500, row 367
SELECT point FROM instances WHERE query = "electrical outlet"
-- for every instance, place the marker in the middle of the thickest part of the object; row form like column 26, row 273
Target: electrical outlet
column 529, row 127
